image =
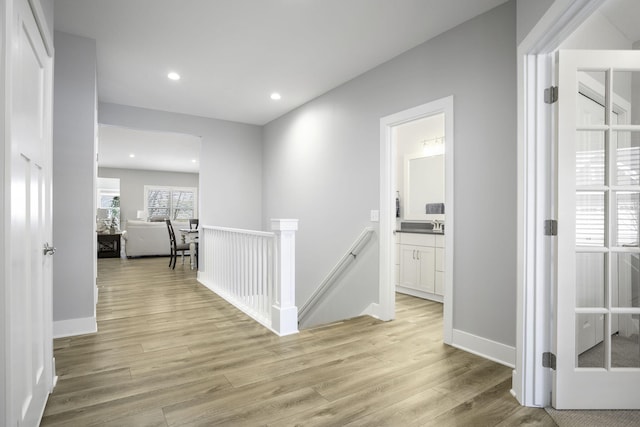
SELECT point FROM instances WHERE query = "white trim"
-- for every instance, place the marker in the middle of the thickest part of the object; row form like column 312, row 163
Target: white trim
column 73, row 327
column 531, row 382
column 388, row 177
column 38, row 13
column 492, row 350
column 228, row 298
column 372, row 310
column 420, row 294
column 561, row 19
column 5, row 212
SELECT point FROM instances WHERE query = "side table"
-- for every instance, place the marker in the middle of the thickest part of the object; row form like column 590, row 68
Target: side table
column 109, row 245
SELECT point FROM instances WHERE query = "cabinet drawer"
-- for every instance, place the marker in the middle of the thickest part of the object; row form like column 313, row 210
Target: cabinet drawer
column 418, row 239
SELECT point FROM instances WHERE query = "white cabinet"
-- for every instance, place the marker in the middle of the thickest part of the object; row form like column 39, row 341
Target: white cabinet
column 421, row 258
column 440, row 266
column 417, row 267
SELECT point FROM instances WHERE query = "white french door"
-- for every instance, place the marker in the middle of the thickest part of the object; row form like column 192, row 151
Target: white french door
column 29, row 362
column 597, row 305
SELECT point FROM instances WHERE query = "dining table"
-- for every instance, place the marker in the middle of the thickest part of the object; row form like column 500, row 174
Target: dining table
column 190, row 236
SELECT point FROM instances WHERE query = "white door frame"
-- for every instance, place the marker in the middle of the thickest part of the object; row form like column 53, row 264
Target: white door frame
column 388, row 158
column 536, row 177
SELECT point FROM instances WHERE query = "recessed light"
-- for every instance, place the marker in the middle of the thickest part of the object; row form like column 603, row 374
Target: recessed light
column 173, row 75
column 275, row 96
column 132, row 155
column 193, row 160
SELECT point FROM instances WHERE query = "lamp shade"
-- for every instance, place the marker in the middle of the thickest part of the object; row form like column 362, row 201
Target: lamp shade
column 102, row 213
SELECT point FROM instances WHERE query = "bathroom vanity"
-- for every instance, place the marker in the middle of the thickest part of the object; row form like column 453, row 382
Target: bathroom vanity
column 421, row 218
column 420, row 264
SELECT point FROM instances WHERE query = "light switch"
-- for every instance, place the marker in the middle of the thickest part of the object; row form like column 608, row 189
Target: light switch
column 375, row 215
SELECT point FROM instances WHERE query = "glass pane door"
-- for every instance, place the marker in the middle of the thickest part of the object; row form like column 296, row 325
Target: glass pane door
column 598, row 283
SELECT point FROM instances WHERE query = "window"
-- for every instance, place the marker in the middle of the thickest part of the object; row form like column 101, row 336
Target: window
column 108, row 203
column 591, row 172
column 171, row 202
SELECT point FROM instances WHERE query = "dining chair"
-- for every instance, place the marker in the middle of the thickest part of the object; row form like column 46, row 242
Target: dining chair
column 175, row 246
column 193, row 225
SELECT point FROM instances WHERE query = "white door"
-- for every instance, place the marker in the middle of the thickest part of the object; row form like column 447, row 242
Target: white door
column 29, row 365
column 597, row 307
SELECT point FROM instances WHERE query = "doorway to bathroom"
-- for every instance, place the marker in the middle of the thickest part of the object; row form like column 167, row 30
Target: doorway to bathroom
column 416, row 208
column 420, row 208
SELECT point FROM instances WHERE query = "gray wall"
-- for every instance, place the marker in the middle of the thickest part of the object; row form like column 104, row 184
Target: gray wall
column 74, row 165
column 47, row 8
column 230, row 161
column 322, row 165
column 132, row 182
column 596, row 32
column 529, row 13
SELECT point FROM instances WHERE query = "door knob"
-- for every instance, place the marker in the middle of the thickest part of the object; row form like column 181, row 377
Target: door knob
column 48, row 250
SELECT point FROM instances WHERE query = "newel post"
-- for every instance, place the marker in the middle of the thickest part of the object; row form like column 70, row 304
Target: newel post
column 284, row 313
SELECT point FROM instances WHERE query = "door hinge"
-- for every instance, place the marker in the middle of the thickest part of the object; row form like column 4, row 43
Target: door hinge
column 551, row 95
column 549, row 360
column 550, row 227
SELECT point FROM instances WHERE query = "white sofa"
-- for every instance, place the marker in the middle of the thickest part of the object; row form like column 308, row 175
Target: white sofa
column 143, row 238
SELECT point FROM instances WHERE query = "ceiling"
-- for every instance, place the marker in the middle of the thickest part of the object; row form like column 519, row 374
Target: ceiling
column 232, row 54
column 624, row 15
column 164, row 151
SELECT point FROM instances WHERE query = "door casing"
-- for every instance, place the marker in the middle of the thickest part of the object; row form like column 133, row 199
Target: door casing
column 536, row 176
column 388, row 158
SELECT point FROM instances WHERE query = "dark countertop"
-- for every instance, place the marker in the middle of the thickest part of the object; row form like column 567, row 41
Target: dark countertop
column 419, row 231
column 418, row 228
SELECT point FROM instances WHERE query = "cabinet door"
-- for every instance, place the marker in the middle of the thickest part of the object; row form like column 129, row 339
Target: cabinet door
column 427, row 268
column 439, row 283
column 439, row 259
column 397, row 265
column 408, row 266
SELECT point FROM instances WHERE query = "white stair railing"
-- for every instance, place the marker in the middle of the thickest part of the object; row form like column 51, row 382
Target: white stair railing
column 316, row 298
column 254, row 271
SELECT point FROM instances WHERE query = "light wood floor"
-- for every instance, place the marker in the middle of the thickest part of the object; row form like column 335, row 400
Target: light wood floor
column 170, row 352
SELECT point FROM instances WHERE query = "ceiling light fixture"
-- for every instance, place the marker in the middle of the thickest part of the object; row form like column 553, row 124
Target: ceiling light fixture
column 193, row 160
column 433, row 147
column 132, row 155
column 275, row 96
column 173, row 75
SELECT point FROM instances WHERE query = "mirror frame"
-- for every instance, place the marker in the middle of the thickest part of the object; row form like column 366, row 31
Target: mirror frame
column 406, row 213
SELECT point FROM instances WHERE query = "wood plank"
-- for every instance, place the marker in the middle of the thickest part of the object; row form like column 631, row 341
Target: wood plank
column 169, row 352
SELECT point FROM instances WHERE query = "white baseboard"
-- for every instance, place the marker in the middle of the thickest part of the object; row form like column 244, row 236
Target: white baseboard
column 54, row 380
column 419, row 294
column 372, row 310
column 492, row 350
column 230, row 300
column 72, row 327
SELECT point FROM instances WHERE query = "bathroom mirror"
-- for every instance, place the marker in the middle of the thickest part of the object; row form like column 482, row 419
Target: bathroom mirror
column 423, row 183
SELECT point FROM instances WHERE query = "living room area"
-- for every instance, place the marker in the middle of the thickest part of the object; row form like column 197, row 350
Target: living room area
column 143, row 178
